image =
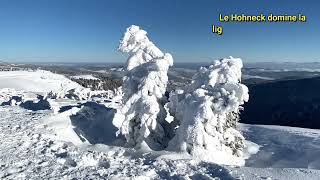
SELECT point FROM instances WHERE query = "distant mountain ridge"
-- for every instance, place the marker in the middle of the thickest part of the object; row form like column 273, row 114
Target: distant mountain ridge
column 288, row 103
column 3, row 63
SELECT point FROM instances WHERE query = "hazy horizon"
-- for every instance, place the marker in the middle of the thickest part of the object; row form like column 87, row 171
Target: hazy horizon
column 179, row 62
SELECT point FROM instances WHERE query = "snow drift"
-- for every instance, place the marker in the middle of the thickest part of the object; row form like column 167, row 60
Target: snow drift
column 141, row 119
column 207, row 111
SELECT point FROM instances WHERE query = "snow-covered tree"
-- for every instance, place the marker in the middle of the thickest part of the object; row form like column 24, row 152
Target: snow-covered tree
column 208, row 111
column 142, row 117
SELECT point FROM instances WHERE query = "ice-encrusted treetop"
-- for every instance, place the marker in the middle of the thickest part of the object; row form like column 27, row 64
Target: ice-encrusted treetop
column 222, row 81
column 141, row 50
column 227, row 70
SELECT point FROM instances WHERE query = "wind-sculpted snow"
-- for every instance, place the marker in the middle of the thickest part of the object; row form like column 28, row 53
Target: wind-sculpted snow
column 30, row 101
column 208, row 112
column 40, row 104
column 93, row 122
column 141, row 119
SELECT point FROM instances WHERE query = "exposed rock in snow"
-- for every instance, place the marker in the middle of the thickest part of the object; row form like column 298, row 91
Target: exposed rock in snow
column 208, row 112
column 141, row 119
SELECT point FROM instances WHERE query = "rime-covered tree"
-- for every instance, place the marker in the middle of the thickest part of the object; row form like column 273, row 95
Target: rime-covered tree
column 207, row 112
column 141, row 119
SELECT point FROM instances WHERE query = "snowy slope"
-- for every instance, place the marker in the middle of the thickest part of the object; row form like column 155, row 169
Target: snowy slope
column 47, row 84
column 87, row 76
column 247, row 76
column 36, row 81
column 284, row 147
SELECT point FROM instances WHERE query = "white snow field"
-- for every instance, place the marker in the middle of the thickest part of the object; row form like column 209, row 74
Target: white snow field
column 85, row 76
column 246, row 76
column 36, row 81
column 29, row 149
column 78, row 140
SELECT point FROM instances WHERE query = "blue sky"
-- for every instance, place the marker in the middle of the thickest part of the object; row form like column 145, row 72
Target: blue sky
column 89, row 30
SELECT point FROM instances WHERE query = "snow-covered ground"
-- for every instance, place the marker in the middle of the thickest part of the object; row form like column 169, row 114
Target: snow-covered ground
column 246, row 76
column 87, row 76
column 35, row 81
column 29, row 149
column 76, row 139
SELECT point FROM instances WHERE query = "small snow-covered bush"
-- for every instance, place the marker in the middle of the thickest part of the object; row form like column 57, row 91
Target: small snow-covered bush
column 207, row 113
column 141, row 119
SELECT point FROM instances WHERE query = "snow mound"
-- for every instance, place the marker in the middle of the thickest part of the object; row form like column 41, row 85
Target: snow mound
column 62, row 126
column 84, row 123
column 141, row 118
column 207, row 112
column 36, row 81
